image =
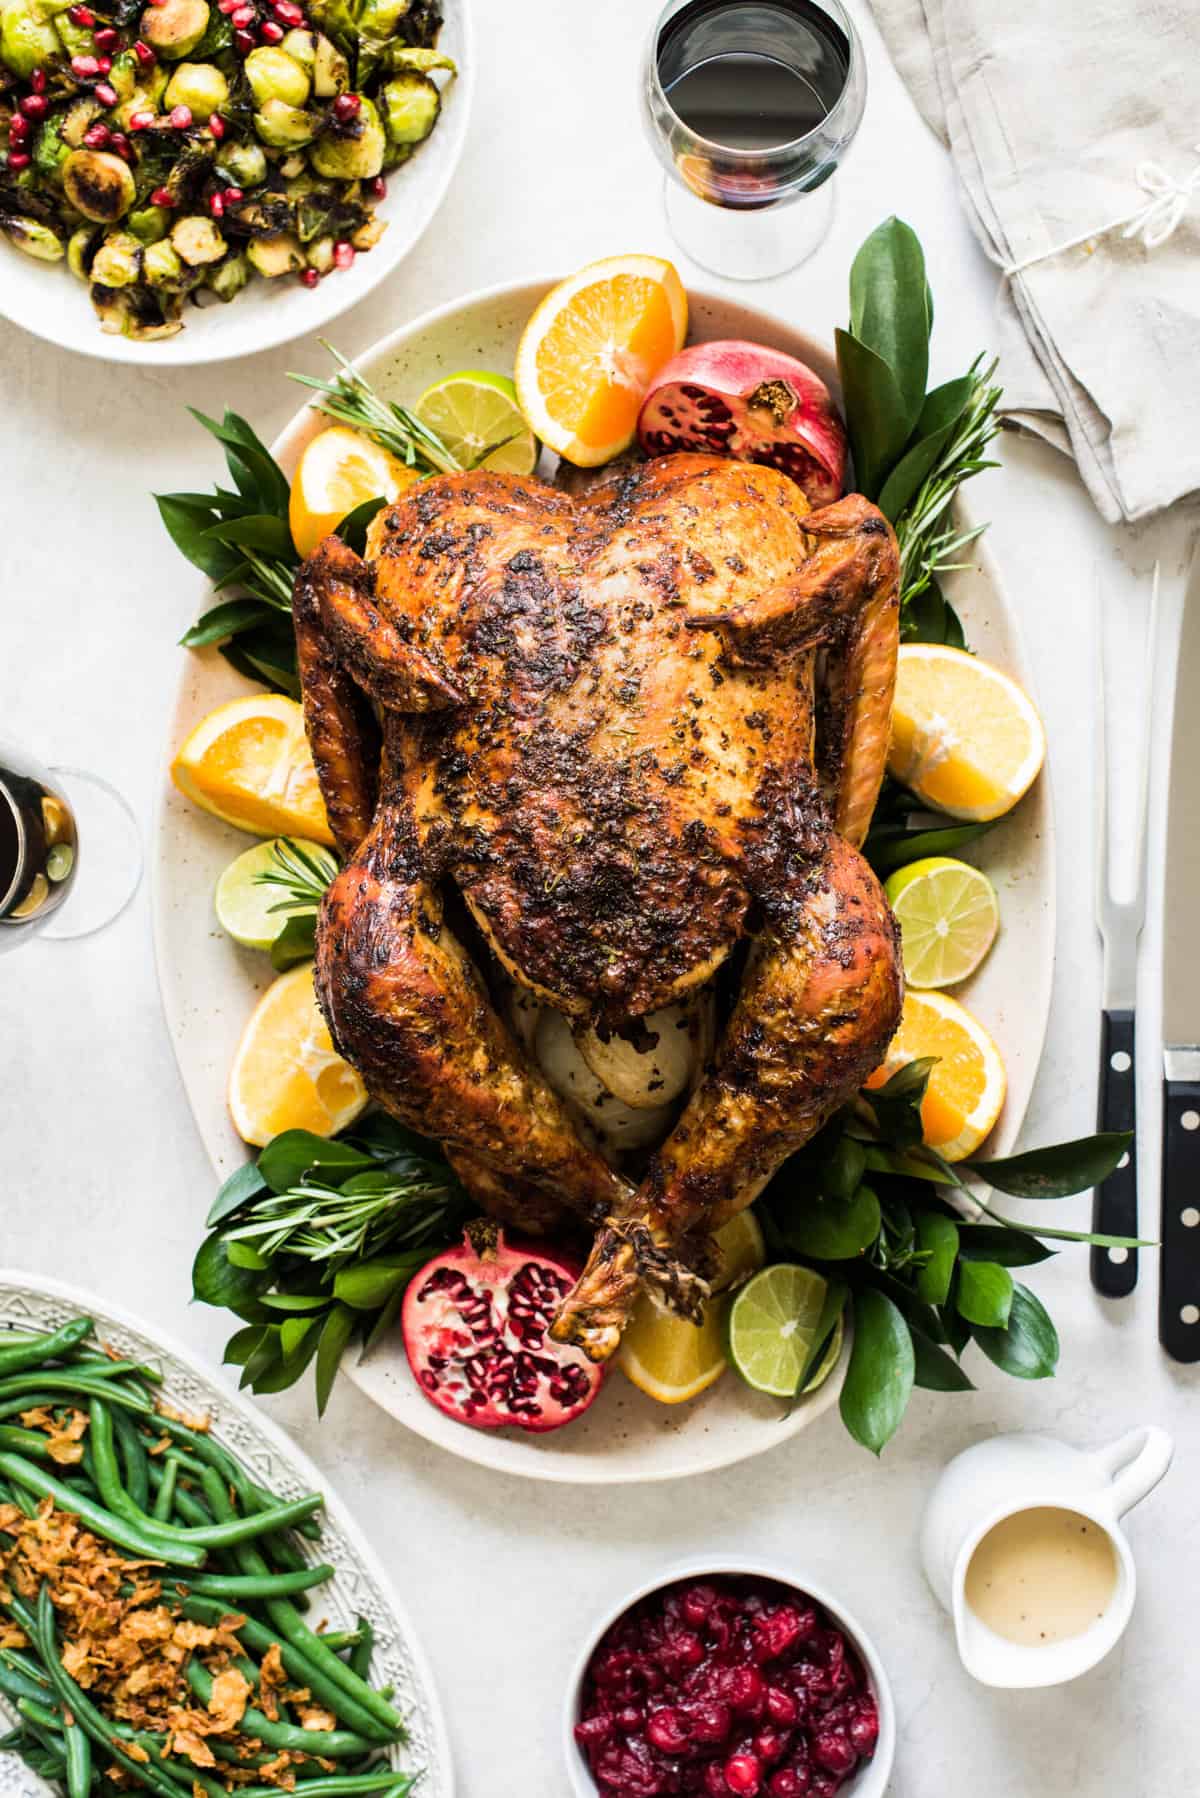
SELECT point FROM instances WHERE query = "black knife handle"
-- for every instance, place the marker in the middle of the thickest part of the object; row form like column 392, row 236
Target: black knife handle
column 1115, row 1205
column 1179, row 1264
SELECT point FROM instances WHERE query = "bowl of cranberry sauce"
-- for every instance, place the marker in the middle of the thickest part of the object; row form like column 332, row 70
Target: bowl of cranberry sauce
column 729, row 1684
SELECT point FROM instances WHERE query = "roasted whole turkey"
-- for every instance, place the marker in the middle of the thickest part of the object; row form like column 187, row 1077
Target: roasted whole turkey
column 590, row 762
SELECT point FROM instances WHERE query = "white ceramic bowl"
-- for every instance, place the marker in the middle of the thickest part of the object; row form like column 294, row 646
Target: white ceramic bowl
column 869, row 1782
column 52, row 304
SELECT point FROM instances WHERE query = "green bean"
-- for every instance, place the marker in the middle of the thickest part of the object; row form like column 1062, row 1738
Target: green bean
column 15, row 1357
column 333, row 1785
column 364, row 1648
column 114, row 1529
column 333, row 1744
column 41, row 1714
column 77, row 1746
column 251, row 1496
column 134, row 1459
column 104, row 1367
column 27, row 1442
column 272, row 1585
column 298, row 1666
column 339, row 1638
column 51, row 1384
column 164, row 1498
column 24, row 1663
column 112, row 1492
column 292, row 1627
column 17, row 1684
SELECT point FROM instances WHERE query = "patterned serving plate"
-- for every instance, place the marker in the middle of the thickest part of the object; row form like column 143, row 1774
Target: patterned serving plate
column 359, row 1588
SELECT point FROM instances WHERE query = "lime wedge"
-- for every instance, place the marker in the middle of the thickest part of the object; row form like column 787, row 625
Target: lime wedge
column 244, row 905
column 772, row 1324
column 471, row 410
column 948, row 916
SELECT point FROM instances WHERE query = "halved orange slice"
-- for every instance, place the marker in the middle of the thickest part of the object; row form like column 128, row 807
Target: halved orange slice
column 286, row 1074
column 248, row 762
column 967, row 1086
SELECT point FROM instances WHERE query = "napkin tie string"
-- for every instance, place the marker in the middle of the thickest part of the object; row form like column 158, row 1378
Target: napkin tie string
column 1156, row 220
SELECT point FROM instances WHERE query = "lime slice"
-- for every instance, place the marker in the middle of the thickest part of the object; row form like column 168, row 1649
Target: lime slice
column 470, row 410
column 772, row 1324
column 948, row 916
column 244, row 905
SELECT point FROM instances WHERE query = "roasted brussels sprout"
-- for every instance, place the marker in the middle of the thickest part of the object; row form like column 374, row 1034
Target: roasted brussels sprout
column 37, row 240
column 149, row 224
column 200, row 86
column 331, row 70
column 175, row 27
column 99, row 185
column 161, row 265
column 125, row 76
column 79, row 117
column 352, row 158
column 197, row 240
column 275, row 256
column 302, row 45
column 274, row 75
column 284, row 127
column 410, row 104
column 229, row 277
column 319, row 255
column 50, row 152
column 27, row 39
column 80, row 248
column 245, row 163
column 118, row 261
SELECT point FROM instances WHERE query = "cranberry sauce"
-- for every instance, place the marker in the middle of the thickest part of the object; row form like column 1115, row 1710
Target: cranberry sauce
column 725, row 1688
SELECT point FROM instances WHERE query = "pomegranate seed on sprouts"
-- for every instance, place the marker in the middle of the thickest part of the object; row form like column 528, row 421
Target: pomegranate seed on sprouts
column 347, row 106
column 270, row 32
column 377, row 187
column 233, row 195
column 343, row 254
column 18, row 159
column 242, row 15
column 82, row 16
column 37, row 81
column 162, row 196
column 144, row 54
column 103, row 64
column 106, row 93
column 287, row 12
column 106, row 38
column 35, row 106
column 83, row 66
column 180, row 118
column 18, row 130
column 120, row 145
column 243, row 43
column 216, row 205
column 97, row 136
column 227, row 6
column 216, row 125
column 309, row 277
column 140, row 121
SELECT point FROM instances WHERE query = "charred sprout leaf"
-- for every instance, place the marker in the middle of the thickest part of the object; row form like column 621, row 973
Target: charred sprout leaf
column 1027, row 1347
column 879, row 1380
column 1058, row 1171
column 984, row 1293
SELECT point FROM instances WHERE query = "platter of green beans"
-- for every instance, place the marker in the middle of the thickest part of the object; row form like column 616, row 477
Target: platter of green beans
column 196, row 1488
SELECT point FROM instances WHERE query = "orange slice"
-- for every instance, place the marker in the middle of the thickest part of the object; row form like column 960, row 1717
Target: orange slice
column 965, row 737
column 338, row 471
column 286, row 1074
column 592, row 348
column 248, row 762
column 966, row 1088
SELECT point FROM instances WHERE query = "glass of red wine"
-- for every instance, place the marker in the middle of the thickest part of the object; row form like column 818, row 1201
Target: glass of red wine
column 751, row 105
column 70, row 854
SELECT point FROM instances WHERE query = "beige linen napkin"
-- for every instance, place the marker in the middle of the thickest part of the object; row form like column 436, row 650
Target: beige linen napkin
column 1072, row 122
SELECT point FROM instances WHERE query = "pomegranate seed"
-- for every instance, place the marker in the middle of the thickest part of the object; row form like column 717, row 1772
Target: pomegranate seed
column 216, row 125
column 270, row 32
column 242, row 15
column 106, row 38
column 37, row 81
column 140, row 121
column 18, row 159
column 81, row 15
column 285, row 10
column 105, row 92
column 309, row 277
column 377, row 188
column 343, row 254
column 35, row 106
column 233, row 195
column 83, row 66
column 347, row 106
column 97, row 137
column 144, row 54
column 103, row 64
column 227, row 6
column 180, row 117
column 216, row 205
column 243, row 42
column 18, row 130
column 743, row 1774
column 162, row 196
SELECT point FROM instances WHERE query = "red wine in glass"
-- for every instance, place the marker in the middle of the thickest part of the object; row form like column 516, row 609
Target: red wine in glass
column 52, row 821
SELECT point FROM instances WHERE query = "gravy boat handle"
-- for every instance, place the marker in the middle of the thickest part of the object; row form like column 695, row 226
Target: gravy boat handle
column 1134, row 1464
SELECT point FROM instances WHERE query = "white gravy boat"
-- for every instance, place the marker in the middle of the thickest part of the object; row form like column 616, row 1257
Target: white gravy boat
column 1010, row 1474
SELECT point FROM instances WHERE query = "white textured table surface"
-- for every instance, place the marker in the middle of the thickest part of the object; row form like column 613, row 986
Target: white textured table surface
column 104, row 1179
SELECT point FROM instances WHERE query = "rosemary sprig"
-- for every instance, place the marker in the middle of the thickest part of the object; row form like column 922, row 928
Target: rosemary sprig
column 332, row 1226
column 351, row 400
column 927, row 543
column 300, row 872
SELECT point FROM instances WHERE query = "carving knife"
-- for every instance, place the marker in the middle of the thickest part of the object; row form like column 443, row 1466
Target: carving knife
column 1179, row 1279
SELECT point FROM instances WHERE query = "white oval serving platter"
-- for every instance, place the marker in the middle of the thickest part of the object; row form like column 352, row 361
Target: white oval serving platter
column 359, row 1587
column 209, row 984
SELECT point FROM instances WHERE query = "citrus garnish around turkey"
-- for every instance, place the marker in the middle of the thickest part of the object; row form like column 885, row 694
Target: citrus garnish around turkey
column 249, row 907
column 948, row 916
column 965, row 737
column 469, row 411
column 672, row 1360
column 590, row 351
column 336, row 472
column 248, row 762
column 286, row 1073
column 773, row 1324
column 967, row 1084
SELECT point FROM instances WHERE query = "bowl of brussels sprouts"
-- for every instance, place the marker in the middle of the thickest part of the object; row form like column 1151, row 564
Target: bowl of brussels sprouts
column 184, row 181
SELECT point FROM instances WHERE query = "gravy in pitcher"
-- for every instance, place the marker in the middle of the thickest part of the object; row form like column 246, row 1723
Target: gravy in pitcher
column 1041, row 1576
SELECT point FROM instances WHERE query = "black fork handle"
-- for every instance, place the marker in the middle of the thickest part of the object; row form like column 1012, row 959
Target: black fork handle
column 1115, row 1204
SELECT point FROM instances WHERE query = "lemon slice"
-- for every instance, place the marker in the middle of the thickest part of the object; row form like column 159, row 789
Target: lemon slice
column 592, row 348
column 672, row 1360
column 286, row 1074
column 773, row 1323
column 948, row 916
column 336, row 472
column 967, row 1085
column 965, row 737
column 248, row 762
column 244, row 903
column 468, row 411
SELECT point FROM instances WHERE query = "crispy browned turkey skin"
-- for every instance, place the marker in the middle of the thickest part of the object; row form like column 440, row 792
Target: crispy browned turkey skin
column 603, row 724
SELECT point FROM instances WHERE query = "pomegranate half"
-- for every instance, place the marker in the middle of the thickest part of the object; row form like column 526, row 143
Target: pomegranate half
column 476, row 1323
column 732, row 398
